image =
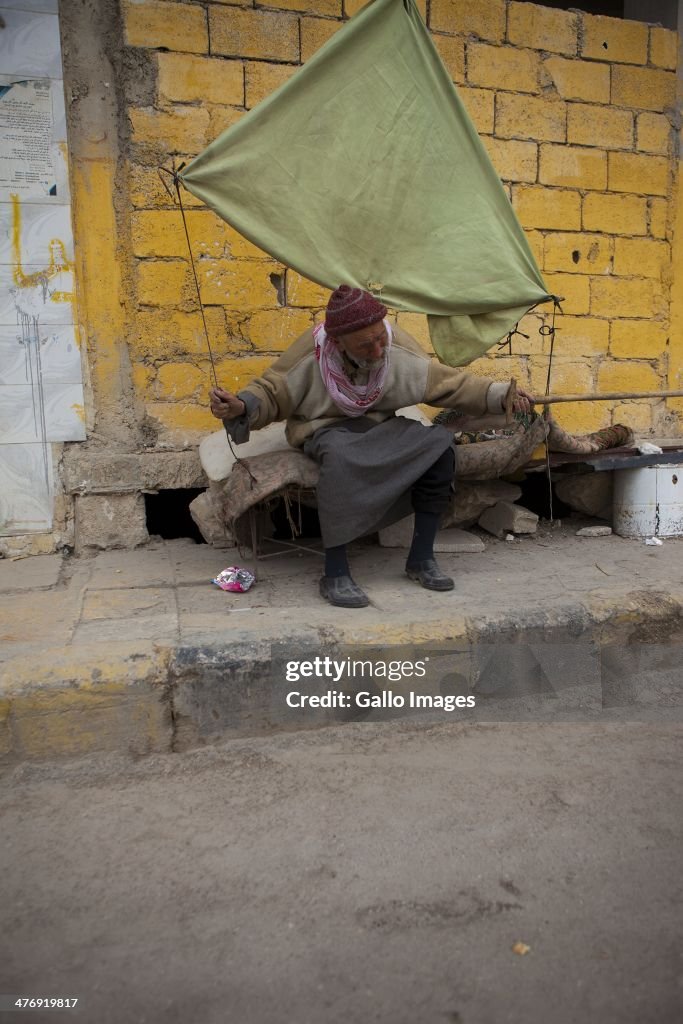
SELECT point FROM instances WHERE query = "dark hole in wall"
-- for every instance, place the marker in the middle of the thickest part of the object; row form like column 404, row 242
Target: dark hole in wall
column 658, row 12
column 536, row 497
column 613, row 8
column 278, row 283
column 168, row 514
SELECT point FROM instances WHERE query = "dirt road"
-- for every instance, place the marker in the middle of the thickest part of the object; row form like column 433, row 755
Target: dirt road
column 365, row 873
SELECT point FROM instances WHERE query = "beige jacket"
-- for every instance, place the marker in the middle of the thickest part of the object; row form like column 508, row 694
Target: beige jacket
column 292, row 389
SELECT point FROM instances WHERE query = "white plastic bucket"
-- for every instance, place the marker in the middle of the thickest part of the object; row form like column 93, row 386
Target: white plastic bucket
column 648, row 502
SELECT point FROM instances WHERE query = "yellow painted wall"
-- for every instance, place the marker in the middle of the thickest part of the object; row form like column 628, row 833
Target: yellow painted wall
column 577, row 113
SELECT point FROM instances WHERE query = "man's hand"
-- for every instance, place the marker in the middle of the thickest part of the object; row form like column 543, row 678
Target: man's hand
column 224, row 405
column 523, row 402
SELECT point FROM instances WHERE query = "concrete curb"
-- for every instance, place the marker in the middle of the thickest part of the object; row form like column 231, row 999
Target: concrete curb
column 86, row 700
column 143, row 697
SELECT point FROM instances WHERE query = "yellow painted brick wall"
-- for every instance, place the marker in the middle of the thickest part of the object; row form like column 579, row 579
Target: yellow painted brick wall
column 158, row 24
column 576, row 112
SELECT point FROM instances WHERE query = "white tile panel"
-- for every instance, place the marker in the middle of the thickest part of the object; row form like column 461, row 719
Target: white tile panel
column 57, row 358
column 39, row 6
column 44, row 233
column 41, row 395
column 29, row 44
column 26, row 488
column 51, row 412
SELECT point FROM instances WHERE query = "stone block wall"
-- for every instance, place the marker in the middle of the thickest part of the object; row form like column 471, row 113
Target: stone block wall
column 578, row 113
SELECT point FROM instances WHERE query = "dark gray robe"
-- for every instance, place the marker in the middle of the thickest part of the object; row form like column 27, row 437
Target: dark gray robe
column 367, row 470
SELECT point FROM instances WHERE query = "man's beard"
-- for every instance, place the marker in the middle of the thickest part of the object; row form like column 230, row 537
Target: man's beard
column 370, row 364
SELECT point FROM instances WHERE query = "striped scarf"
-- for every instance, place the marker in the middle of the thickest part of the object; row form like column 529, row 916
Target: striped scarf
column 352, row 399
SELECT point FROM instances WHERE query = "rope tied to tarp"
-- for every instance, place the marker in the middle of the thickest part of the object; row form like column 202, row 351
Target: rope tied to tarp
column 507, row 341
column 550, row 330
column 546, row 331
column 174, row 174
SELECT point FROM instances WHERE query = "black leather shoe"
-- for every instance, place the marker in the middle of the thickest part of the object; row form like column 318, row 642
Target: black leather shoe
column 429, row 575
column 342, row 591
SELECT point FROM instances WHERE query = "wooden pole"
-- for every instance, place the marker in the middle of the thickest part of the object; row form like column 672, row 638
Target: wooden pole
column 612, row 396
column 623, row 396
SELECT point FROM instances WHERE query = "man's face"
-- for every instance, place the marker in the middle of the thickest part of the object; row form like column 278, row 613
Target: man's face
column 367, row 346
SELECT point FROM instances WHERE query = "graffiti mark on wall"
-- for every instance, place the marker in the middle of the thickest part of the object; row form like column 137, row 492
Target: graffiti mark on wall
column 55, row 277
column 41, row 395
column 32, row 292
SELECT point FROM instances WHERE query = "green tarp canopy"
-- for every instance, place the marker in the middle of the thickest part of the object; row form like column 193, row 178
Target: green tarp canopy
column 365, row 169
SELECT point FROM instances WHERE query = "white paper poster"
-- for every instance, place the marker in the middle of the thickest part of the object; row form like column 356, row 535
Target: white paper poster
column 26, row 135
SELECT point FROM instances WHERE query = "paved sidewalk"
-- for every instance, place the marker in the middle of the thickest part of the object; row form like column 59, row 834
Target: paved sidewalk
column 93, row 649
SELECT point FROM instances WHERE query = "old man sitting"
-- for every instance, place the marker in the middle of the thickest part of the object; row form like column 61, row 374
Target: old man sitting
column 338, row 387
